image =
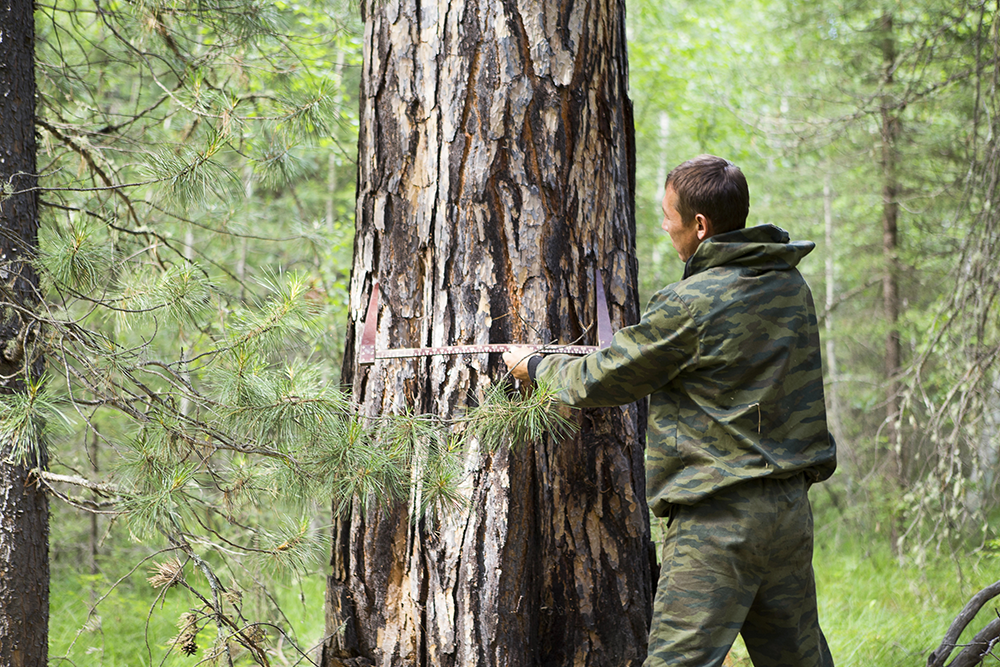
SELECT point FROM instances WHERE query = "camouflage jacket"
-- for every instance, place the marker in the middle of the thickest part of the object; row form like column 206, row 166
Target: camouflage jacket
column 730, row 359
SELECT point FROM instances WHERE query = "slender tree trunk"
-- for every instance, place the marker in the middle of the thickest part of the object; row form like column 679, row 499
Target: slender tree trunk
column 93, row 541
column 331, row 180
column 243, row 247
column 834, row 413
column 496, row 173
column 667, row 159
column 890, row 249
column 24, row 548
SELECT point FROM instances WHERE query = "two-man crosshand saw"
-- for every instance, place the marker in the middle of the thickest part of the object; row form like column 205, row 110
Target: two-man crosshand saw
column 368, row 352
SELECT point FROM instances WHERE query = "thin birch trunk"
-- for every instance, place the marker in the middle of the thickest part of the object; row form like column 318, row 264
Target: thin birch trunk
column 331, row 181
column 834, row 414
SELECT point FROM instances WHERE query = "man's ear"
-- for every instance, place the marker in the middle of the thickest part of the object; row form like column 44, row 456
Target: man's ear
column 703, row 226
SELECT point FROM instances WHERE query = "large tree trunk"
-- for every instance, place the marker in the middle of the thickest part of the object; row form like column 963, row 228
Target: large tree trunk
column 496, row 173
column 24, row 570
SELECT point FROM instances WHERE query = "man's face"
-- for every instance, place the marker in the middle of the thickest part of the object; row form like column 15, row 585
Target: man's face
column 684, row 237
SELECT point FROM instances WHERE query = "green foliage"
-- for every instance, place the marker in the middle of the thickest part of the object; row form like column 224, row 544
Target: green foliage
column 25, row 417
column 266, row 324
column 440, row 492
column 506, row 418
column 196, row 216
column 875, row 610
column 292, row 546
column 178, row 294
column 197, row 203
column 132, row 623
column 188, row 175
column 226, row 493
column 81, row 259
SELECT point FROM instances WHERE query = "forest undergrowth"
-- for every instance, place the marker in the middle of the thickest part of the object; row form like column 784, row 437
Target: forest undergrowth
column 877, row 610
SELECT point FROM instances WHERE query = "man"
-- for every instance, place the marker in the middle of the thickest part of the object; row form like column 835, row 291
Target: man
column 730, row 359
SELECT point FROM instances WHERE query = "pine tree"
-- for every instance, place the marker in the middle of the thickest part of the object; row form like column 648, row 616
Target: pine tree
column 496, row 175
column 24, row 547
column 186, row 161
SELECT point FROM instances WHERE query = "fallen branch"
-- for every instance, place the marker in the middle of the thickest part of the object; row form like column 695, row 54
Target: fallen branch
column 982, row 642
column 980, row 646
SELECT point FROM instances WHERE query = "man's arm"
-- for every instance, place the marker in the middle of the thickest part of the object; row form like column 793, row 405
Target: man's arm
column 517, row 359
column 641, row 359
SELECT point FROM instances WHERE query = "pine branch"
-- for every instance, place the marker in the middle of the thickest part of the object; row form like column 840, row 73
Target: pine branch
column 87, row 155
column 105, row 489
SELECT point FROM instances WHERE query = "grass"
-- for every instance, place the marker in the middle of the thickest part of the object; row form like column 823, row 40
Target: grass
column 875, row 610
column 879, row 612
column 133, row 627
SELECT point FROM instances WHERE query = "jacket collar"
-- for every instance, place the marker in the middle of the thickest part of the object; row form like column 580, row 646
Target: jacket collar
column 761, row 248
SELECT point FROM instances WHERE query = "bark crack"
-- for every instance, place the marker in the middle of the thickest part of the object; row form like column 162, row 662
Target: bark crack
column 522, row 42
column 470, row 99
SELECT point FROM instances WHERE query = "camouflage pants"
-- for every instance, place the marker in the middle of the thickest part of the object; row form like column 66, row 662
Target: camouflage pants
column 739, row 562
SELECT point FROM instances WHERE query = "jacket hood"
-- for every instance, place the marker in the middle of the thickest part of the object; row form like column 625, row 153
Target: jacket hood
column 763, row 248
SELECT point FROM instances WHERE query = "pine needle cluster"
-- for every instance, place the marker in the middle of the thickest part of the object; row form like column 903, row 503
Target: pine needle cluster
column 27, row 418
column 507, row 418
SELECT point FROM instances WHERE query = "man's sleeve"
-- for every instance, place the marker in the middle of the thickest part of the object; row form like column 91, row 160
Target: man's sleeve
column 641, row 358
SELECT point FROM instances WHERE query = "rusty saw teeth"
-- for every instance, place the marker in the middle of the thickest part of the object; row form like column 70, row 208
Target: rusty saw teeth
column 368, row 353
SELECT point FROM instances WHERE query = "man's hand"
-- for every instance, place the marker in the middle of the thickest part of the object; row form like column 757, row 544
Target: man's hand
column 516, row 359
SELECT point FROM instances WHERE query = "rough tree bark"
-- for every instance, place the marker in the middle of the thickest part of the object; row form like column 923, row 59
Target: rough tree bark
column 496, row 173
column 24, row 570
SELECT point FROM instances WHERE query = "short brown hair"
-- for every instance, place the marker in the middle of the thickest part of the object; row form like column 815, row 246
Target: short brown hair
column 714, row 187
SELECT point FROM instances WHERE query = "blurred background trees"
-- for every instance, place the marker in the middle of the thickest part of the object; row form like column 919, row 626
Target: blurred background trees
column 868, row 128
